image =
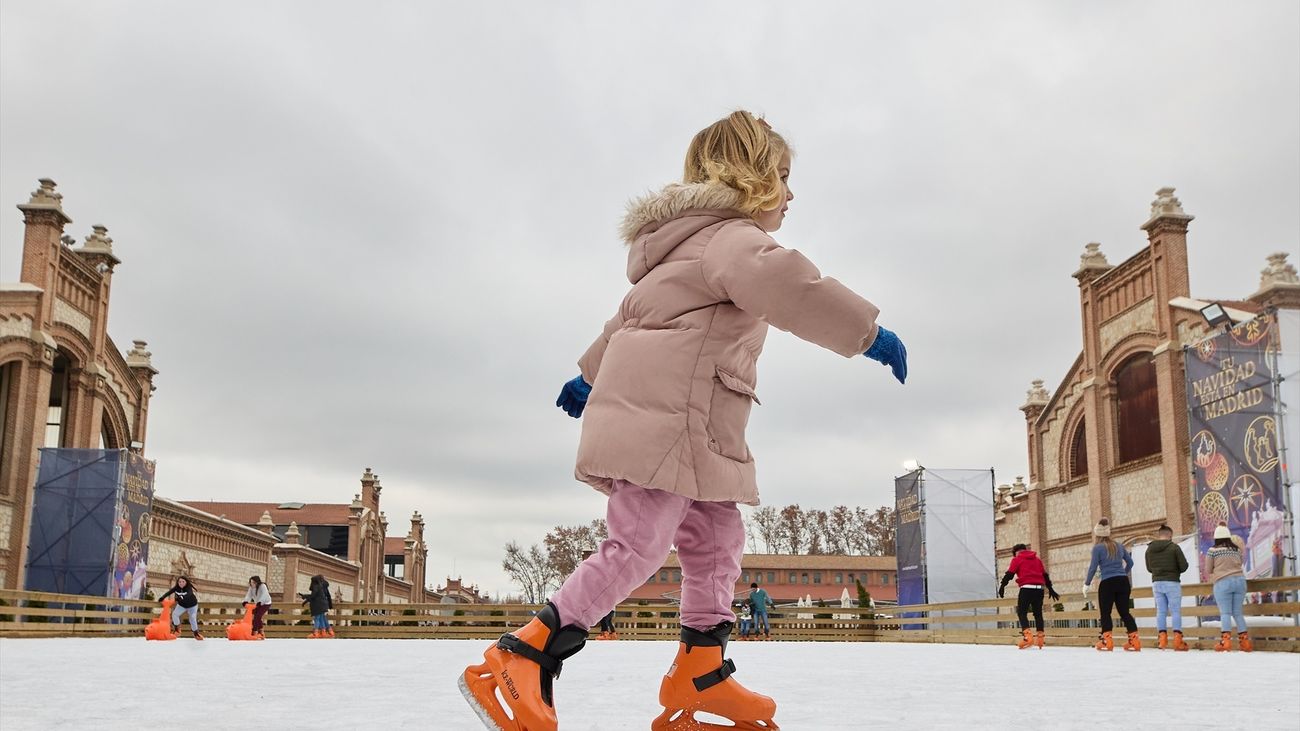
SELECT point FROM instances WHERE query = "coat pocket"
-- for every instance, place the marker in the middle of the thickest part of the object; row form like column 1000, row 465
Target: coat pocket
column 729, row 415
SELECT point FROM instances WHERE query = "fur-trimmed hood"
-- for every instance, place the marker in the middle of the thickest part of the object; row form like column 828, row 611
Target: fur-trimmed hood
column 658, row 223
column 671, row 201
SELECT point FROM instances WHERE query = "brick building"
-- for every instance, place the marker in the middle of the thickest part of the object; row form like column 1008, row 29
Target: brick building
column 65, row 383
column 1112, row 439
column 787, row 578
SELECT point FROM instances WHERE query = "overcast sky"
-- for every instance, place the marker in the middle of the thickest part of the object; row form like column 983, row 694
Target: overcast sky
column 381, row 234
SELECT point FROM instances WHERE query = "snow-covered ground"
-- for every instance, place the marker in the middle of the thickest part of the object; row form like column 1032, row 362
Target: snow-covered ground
column 382, row 684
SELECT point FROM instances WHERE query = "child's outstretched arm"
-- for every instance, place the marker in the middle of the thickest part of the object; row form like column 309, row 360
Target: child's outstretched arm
column 782, row 287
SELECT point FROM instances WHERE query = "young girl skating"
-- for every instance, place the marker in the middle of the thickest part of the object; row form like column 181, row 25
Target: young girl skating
column 667, row 388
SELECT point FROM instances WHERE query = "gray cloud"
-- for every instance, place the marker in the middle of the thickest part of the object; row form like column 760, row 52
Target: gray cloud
column 384, row 238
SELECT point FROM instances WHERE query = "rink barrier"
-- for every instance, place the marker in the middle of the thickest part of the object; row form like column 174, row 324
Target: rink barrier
column 991, row 621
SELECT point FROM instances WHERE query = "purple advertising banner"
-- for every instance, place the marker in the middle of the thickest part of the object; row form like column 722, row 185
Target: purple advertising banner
column 130, row 557
column 909, row 540
column 1234, row 442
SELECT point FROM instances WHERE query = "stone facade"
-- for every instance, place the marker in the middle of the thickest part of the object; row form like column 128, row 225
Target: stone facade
column 1137, row 496
column 1067, row 512
column 1137, row 315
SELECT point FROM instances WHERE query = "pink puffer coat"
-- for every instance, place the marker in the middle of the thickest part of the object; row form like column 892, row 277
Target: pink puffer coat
column 673, row 374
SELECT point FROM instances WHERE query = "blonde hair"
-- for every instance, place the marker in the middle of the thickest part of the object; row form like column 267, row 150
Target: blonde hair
column 742, row 152
column 1111, row 546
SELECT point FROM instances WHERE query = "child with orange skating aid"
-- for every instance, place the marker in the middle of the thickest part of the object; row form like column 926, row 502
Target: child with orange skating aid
column 667, row 389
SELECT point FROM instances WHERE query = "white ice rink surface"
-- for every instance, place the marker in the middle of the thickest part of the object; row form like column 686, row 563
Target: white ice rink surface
column 383, row 684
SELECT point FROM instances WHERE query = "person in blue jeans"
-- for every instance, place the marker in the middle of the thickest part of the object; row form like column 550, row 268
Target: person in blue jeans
column 1166, row 562
column 318, row 597
column 1223, row 567
column 759, row 601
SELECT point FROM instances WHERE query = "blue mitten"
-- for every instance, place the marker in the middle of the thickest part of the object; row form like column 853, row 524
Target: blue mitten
column 889, row 350
column 573, row 397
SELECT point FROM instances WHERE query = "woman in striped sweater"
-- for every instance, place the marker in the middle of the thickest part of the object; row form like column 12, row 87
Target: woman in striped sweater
column 1223, row 568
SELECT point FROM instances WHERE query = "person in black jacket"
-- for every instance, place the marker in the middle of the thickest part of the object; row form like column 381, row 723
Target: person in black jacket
column 320, row 602
column 187, row 602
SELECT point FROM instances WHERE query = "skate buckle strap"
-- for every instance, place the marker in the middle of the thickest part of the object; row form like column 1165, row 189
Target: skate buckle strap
column 510, row 643
column 708, row 680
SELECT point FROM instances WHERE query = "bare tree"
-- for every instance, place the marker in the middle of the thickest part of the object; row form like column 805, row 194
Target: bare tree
column 839, row 531
column 794, row 527
column 817, row 523
column 767, row 524
column 531, row 570
column 883, row 531
column 566, row 545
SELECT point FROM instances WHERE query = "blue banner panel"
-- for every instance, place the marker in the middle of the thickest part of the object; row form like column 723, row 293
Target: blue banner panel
column 74, row 508
column 908, row 542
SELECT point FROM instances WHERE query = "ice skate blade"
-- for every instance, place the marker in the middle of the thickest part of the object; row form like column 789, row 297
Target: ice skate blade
column 682, row 720
column 479, row 710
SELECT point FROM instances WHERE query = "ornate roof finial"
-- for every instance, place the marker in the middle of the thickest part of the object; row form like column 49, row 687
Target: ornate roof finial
column 265, row 522
column 1166, row 205
column 46, row 195
column 140, row 357
column 1278, row 271
column 1092, row 263
column 293, row 534
column 1037, row 395
column 98, row 241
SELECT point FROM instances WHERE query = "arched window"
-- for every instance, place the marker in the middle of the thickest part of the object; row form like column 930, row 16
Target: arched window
column 1137, row 408
column 107, row 437
column 56, row 421
column 1079, row 451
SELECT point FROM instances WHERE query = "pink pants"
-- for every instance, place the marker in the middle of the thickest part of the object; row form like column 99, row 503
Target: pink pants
column 643, row 525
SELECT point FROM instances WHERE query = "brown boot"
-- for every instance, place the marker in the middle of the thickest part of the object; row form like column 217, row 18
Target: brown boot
column 1134, row 643
column 1243, row 641
column 1026, row 639
column 1106, row 643
column 1040, row 638
column 1225, row 643
column 1180, row 645
column 1162, row 640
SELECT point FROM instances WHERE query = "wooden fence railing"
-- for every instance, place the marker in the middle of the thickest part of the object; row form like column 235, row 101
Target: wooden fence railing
column 993, row 621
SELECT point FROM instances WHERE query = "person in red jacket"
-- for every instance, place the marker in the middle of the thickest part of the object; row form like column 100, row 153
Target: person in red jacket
column 1032, row 579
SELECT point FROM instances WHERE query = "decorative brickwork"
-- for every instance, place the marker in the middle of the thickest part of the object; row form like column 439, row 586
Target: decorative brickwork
column 1054, row 435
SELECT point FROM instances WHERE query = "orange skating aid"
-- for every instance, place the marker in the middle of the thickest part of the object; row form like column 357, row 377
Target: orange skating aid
column 161, row 627
column 243, row 629
column 519, row 669
column 700, row 681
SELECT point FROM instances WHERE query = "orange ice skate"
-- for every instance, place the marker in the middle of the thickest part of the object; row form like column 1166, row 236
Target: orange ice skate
column 1040, row 639
column 519, row 669
column 700, row 681
column 1026, row 639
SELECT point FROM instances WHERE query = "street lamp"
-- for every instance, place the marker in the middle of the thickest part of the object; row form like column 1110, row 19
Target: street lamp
column 1215, row 315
